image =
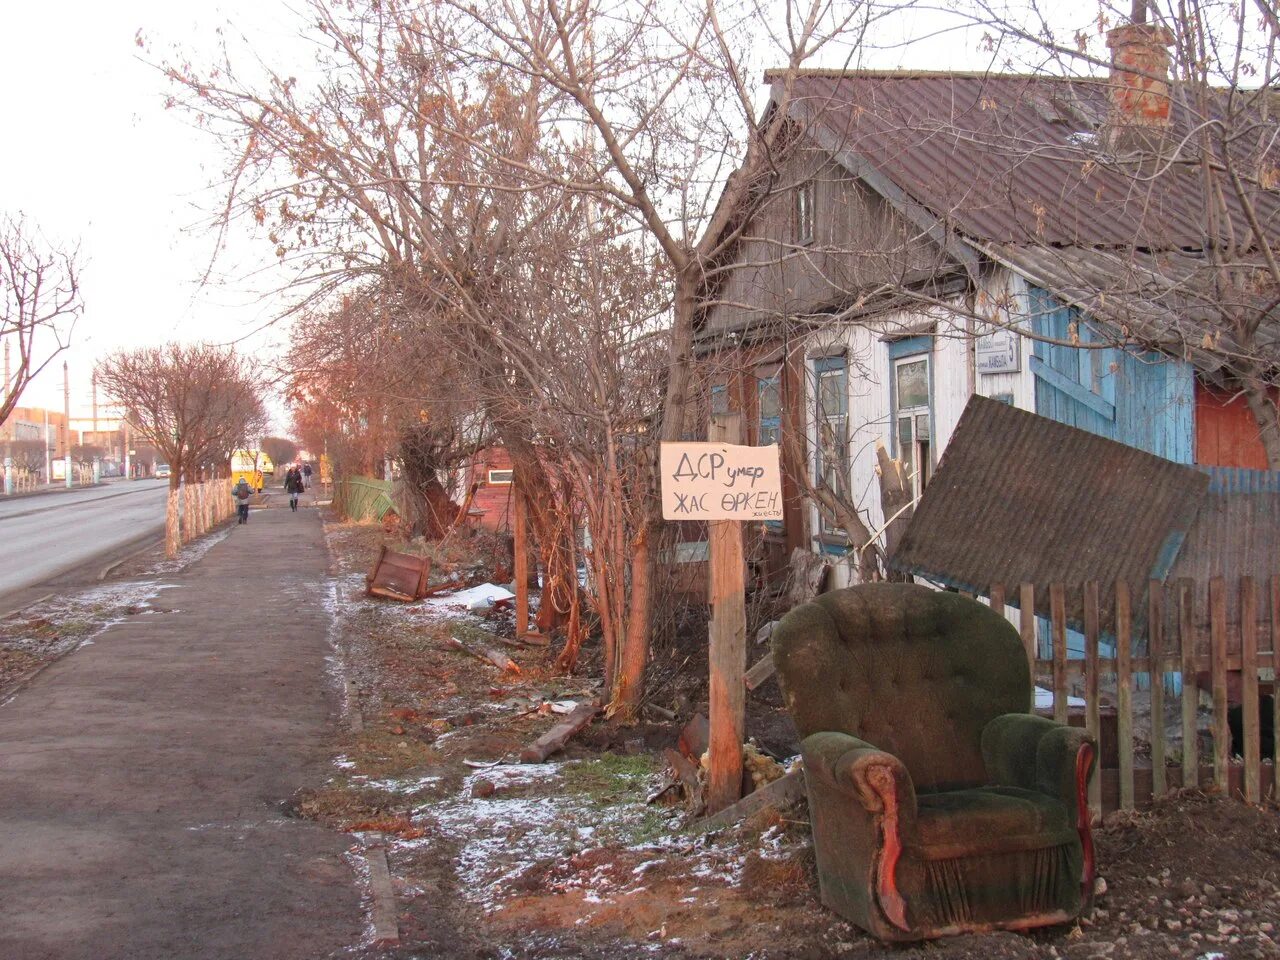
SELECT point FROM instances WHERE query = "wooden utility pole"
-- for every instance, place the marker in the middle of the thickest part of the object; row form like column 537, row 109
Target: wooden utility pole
column 728, row 649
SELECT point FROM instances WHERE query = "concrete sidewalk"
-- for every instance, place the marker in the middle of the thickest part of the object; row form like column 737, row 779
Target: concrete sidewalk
column 142, row 778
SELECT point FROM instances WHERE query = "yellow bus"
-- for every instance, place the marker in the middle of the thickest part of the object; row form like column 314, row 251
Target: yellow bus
column 254, row 467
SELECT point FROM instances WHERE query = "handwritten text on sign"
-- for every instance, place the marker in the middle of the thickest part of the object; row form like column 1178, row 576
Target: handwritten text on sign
column 720, row 481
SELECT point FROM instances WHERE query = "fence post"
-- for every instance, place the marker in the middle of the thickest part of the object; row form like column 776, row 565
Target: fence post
column 1249, row 691
column 1027, row 628
column 1092, row 720
column 1058, row 614
column 1190, row 692
column 1218, row 668
column 1155, row 649
column 1124, row 693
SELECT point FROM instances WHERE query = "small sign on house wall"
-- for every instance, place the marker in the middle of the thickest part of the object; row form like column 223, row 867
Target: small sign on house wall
column 997, row 352
column 720, row 481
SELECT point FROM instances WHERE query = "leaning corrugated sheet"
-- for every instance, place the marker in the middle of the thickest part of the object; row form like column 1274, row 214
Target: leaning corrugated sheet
column 1018, row 498
column 1236, row 534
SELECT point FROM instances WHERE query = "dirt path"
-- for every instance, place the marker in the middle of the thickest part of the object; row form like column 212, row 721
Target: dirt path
column 142, row 778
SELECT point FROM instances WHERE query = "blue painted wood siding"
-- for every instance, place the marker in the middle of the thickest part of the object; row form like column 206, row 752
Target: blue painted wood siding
column 1145, row 400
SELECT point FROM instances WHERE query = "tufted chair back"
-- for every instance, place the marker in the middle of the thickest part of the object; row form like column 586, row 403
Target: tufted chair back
column 910, row 670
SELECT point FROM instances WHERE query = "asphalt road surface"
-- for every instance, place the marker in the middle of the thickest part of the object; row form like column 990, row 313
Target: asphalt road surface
column 44, row 536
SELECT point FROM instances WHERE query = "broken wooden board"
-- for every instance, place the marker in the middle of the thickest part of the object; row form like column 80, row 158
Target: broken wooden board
column 761, row 672
column 555, row 738
column 398, row 576
column 781, row 793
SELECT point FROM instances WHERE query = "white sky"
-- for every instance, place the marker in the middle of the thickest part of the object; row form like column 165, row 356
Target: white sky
column 90, row 153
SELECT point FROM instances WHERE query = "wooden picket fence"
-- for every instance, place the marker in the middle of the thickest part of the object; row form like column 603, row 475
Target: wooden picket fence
column 193, row 510
column 1183, row 631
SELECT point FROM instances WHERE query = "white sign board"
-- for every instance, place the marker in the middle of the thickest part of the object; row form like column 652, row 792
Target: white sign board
column 997, row 352
column 720, row 481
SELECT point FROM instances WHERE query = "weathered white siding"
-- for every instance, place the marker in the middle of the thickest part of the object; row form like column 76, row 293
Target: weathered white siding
column 866, row 347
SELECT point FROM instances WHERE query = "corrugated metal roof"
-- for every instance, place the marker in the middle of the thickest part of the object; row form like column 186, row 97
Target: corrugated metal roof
column 1017, row 159
column 1020, row 498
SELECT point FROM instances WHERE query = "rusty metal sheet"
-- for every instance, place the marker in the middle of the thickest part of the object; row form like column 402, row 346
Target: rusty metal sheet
column 398, row 576
column 1020, row 498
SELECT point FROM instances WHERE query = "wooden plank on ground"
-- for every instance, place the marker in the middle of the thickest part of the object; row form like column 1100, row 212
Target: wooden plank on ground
column 1249, row 690
column 555, row 738
column 761, row 672
column 1027, row 629
column 1058, row 618
column 781, row 793
column 1218, row 653
column 1124, row 693
column 1092, row 714
column 727, row 691
column 1190, row 692
column 1155, row 645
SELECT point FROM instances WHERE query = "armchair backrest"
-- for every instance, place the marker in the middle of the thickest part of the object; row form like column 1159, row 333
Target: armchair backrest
column 913, row 671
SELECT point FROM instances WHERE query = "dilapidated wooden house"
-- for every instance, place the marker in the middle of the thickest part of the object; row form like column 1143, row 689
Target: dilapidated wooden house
column 1044, row 241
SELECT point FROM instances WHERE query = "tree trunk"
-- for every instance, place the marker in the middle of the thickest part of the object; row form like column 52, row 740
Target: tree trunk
column 1267, row 416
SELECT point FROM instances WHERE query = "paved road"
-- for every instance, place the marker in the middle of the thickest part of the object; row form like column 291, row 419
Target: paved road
column 142, row 777
column 43, row 536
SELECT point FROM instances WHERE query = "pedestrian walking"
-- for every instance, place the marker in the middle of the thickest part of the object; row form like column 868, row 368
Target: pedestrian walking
column 242, row 494
column 306, row 476
column 293, row 484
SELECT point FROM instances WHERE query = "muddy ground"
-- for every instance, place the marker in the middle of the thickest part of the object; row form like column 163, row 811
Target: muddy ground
column 566, row 858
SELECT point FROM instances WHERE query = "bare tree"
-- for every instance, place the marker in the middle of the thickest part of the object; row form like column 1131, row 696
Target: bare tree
column 281, row 450
column 39, row 304
column 194, row 403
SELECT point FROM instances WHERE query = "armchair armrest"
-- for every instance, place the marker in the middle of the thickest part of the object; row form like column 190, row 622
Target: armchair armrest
column 886, row 804
column 1034, row 753
column 878, row 779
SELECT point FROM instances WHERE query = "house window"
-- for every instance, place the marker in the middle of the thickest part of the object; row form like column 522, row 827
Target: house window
column 769, row 395
column 831, row 417
column 804, row 194
column 719, row 399
column 769, row 402
column 498, row 477
column 911, row 422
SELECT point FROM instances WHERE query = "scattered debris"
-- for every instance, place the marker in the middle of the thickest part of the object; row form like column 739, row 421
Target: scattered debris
column 481, row 652
column 761, row 672
column 781, row 793
column 398, row 576
column 555, row 738
column 479, row 599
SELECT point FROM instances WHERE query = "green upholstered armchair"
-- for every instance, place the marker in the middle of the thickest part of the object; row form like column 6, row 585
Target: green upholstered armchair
column 939, row 805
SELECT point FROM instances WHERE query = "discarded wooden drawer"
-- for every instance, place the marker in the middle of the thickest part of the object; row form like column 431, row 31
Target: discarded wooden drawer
column 398, row 576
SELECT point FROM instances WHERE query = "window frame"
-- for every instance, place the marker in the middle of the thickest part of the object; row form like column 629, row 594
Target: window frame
column 823, row 369
column 904, row 353
column 804, row 212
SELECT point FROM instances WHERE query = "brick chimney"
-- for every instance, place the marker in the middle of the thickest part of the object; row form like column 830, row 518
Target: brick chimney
column 1139, row 84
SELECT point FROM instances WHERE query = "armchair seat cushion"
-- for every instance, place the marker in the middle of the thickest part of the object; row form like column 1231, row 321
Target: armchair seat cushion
column 991, row 819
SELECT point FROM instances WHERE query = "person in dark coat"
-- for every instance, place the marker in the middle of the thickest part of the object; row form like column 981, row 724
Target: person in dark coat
column 293, row 484
column 242, row 493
